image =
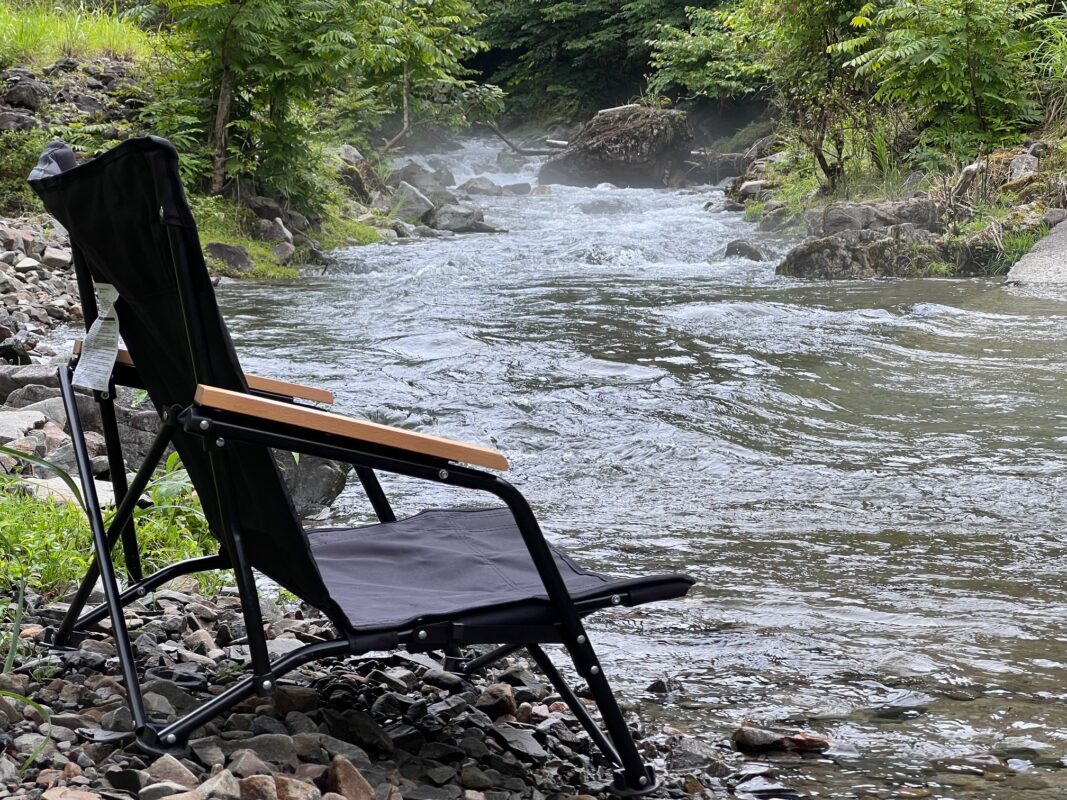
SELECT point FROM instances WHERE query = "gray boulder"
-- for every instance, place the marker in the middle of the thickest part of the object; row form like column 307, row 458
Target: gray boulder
column 741, row 248
column 27, row 93
column 409, row 203
column 458, row 218
column 283, row 253
column 918, row 211
column 627, row 146
column 313, row 482
column 350, row 155
column 17, row 121
column 1022, row 165
column 16, row 424
column 233, row 256
column 481, row 185
column 273, row 230
column 898, row 251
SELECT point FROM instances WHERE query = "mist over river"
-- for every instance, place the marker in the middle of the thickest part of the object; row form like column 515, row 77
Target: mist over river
column 865, row 478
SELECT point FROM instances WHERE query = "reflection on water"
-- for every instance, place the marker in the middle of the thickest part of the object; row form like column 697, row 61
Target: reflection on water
column 863, row 477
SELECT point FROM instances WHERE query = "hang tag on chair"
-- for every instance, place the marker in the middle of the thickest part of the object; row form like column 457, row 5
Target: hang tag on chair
column 101, row 345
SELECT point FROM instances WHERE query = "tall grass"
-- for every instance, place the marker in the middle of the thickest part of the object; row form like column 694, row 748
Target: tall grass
column 35, row 33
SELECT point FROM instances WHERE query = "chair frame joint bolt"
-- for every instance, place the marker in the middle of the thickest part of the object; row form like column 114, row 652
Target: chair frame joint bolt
column 642, row 781
column 266, row 686
column 423, row 635
column 582, row 639
column 104, row 395
column 616, row 599
column 170, row 738
column 594, row 670
column 204, row 424
column 220, row 442
column 443, row 474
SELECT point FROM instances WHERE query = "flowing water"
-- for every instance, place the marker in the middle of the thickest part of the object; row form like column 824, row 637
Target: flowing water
column 863, row 477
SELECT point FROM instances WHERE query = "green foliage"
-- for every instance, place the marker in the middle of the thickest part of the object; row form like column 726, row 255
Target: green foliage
column 961, row 68
column 705, row 59
column 1050, row 60
column 19, row 151
column 575, row 56
column 47, row 543
column 41, row 33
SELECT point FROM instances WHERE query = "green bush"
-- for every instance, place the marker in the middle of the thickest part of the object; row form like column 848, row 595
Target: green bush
column 962, row 69
column 19, row 151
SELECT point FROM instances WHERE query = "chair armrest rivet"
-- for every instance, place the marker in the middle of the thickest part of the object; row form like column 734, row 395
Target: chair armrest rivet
column 220, row 442
column 581, row 639
column 616, row 599
column 204, row 424
column 594, row 670
column 423, row 634
column 443, row 474
column 170, row 738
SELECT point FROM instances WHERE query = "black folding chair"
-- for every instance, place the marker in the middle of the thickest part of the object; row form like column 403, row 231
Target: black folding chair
column 439, row 580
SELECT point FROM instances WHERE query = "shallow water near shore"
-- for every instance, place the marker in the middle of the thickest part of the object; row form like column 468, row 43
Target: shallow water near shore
column 865, row 478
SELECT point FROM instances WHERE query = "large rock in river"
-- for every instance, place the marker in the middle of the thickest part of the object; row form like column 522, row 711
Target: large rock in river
column 919, row 211
column 627, row 146
column 899, row 251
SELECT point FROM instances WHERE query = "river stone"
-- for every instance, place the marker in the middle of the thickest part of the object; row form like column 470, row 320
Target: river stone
column 283, row 253
column 27, row 93
column 918, row 211
column 295, row 789
column 409, row 203
column 223, row 786
column 245, row 763
column 457, row 217
column 360, row 728
column 350, row 155
column 750, row 190
column 496, row 700
column 898, row 251
column 481, row 185
column 1022, row 165
column 16, row 424
column 741, row 248
column 16, row 121
column 168, row 768
column 233, row 256
column 157, row 791
column 692, row 754
column 258, row 787
column 347, row 781
column 273, row 230
column 630, row 145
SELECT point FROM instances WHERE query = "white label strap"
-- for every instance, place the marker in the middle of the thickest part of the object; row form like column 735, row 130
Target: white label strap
column 101, row 345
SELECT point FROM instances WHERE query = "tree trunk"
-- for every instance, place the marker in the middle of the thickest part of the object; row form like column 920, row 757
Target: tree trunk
column 222, row 122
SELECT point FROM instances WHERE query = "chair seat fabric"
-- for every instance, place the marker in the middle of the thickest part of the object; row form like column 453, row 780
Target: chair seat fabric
column 468, row 566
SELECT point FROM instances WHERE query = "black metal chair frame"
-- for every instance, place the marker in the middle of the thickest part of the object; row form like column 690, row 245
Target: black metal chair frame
column 632, row 777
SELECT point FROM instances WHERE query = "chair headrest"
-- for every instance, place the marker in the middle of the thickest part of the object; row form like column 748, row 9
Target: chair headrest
column 56, row 158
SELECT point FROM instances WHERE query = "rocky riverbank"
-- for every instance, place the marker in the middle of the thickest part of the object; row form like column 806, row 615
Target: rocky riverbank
column 388, row 727
column 976, row 222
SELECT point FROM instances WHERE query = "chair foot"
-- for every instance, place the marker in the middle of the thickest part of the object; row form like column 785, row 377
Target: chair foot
column 620, row 787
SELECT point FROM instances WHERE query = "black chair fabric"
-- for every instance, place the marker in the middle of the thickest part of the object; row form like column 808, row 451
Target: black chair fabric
column 469, row 566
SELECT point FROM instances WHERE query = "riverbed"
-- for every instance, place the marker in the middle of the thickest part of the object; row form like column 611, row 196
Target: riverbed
column 865, row 478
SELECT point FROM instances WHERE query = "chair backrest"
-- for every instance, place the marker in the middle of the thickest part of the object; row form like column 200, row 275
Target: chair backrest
column 131, row 226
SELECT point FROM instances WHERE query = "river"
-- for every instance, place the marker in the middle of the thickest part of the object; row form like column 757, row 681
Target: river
column 865, row 478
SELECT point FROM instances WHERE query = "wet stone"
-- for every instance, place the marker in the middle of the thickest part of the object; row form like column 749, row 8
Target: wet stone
column 157, row 791
column 258, row 787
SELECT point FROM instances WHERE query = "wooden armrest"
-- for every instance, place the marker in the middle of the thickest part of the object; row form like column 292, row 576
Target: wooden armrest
column 337, row 425
column 269, row 385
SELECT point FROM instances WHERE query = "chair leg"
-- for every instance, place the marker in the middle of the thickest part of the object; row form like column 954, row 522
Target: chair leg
column 632, row 777
column 123, row 645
